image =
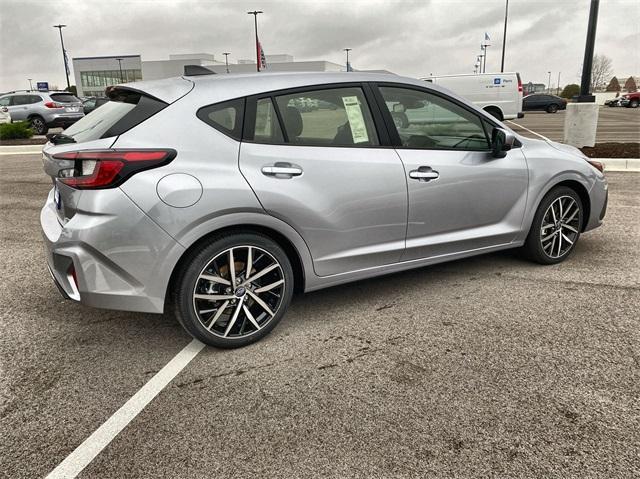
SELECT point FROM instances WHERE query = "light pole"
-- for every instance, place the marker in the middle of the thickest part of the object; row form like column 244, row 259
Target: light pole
column 120, row 66
column 348, row 50
column 226, row 60
column 255, row 14
column 480, row 59
column 558, row 89
column 484, row 47
column 504, row 35
column 585, row 95
column 64, row 54
column 549, row 83
column 30, row 85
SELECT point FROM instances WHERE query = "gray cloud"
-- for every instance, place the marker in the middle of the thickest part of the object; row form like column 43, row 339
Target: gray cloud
column 408, row 37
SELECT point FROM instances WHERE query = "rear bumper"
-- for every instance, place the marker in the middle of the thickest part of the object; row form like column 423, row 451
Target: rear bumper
column 63, row 120
column 107, row 260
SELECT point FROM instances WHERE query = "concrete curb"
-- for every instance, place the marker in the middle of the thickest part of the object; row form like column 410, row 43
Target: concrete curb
column 20, row 149
column 619, row 164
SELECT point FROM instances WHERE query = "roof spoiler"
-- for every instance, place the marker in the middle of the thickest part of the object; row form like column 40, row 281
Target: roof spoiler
column 195, row 70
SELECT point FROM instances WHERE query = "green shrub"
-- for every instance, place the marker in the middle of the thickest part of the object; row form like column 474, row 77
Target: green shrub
column 570, row 91
column 15, row 131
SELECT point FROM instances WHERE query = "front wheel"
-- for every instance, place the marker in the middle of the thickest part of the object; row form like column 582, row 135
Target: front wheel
column 234, row 290
column 556, row 227
column 634, row 104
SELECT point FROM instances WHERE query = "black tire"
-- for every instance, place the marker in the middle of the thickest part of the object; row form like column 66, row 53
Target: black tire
column 38, row 125
column 188, row 280
column 553, row 108
column 633, row 104
column 533, row 248
column 496, row 113
column 400, row 120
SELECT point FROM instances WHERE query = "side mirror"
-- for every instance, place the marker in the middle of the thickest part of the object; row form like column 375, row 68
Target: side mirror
column 398, row 108
column 501, row 142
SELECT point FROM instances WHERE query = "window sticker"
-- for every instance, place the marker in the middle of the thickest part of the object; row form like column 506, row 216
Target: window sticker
column 356, row 119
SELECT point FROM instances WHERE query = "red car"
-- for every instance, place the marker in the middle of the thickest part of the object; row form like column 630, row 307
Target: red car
column 630, row 100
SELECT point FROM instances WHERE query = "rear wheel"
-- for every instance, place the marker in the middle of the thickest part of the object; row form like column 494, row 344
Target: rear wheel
column 38, row 125
column 234, row 291
column 634, row 103
column 495, row 112
column 553, row 108
column 556, row 227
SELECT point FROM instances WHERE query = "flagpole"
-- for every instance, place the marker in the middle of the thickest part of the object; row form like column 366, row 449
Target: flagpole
column 255, row 22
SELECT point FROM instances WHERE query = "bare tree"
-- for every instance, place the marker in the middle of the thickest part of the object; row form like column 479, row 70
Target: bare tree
column 600, row 72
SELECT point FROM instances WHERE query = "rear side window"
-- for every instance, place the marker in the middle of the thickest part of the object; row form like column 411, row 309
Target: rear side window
column 225, row 117
column 333, row 117
column 25, row 99
column 64, row 98
column 125, row 110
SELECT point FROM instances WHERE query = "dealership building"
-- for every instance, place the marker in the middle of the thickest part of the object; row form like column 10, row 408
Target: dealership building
column 94, row 74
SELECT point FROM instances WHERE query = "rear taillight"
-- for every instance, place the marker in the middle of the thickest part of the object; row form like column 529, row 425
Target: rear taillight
column 53, row 104
column 519, row 85
column 100, row 169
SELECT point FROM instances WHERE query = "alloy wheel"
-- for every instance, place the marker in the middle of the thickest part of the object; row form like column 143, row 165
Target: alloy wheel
column 560, row 227
column 38, row 125
column 238, row 292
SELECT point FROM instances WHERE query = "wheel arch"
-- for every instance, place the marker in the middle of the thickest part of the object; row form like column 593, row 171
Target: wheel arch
column 570, row 182
column 293, row 251
column 490, row 108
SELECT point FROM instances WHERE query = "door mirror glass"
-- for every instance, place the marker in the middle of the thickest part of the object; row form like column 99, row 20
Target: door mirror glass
column 501, row 142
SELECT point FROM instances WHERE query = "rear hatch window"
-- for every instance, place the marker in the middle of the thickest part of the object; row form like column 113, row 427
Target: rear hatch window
column 125, row 110
column 64, row 98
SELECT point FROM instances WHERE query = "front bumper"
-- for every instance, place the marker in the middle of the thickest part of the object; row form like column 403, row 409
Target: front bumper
column 521, row 114
column 116, row 258
column 599, row 196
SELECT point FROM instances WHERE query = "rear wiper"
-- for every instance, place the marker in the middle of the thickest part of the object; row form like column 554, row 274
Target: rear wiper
column 59, row 138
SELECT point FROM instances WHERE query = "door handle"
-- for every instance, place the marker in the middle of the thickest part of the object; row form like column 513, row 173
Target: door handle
column 424, row 173
column 285, row 169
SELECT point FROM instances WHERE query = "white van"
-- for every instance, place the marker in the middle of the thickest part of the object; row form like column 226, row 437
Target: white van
column 500, row 94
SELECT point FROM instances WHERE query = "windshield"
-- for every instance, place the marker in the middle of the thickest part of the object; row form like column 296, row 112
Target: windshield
column 94, row 125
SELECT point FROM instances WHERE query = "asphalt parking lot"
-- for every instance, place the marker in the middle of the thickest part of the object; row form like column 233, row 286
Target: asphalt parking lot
column 487, row 367
column 614, row 125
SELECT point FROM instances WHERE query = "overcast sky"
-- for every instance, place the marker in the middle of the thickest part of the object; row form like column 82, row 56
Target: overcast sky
column 413, row 38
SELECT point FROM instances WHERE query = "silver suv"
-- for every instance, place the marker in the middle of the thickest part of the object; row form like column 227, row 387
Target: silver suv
column 219, row 196
column 43, row 110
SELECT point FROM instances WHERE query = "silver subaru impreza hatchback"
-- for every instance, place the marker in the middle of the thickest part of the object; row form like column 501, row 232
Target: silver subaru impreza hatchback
column 219, row 196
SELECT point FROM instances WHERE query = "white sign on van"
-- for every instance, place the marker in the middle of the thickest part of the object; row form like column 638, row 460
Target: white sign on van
column 356, row 119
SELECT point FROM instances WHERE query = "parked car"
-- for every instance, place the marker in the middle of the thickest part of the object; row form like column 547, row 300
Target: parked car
column 613, row 102
column 43, row 110
column 544, row 102
column 500, row 94
column 630, row 100
column 215, row 194
column 90, row 104
column 5, row 116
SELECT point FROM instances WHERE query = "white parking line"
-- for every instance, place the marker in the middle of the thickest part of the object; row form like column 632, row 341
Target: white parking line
column 80, row 458
column 530, row 131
